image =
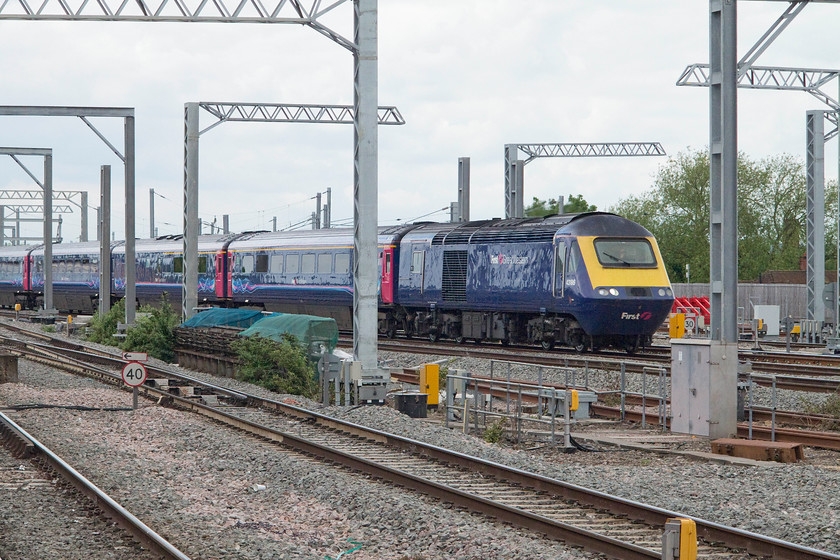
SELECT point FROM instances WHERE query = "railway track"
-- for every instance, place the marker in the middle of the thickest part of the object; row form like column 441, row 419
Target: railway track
column 24, row 446
column 593, row 520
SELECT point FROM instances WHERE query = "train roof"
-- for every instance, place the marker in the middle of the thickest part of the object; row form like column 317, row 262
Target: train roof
column 331, row 237
column 175, row 244
column 524, row 230
column 18, row 251
column 79, row 248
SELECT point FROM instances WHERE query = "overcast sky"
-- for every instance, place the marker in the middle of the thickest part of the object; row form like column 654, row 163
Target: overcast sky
column 468, row 76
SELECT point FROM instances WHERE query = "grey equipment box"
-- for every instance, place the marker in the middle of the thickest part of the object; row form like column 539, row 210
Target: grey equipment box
column 704, row 387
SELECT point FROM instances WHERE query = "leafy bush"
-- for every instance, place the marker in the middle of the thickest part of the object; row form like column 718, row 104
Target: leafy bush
column 103, row 328
column 494, row 433
column 153, row 332
column 278, row 366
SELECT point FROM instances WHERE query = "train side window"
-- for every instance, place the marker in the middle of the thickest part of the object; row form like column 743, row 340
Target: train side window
column 202, row 264
column 324, row 263
column 178, row 265
column 387, row 263
column 559, row 268
column 307, row 263
column 276, row 264
column 342, row 263
column 417, row 262
column 292, row 263
column 574, row 259
column 262, row 263
column 247, row 264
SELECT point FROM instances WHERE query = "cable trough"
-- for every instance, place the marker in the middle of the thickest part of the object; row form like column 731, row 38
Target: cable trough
column 596, row 521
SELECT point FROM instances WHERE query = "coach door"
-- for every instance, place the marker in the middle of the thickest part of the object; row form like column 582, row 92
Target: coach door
column 27, row 266
column 559, row 269
column 221, row 275
column 387, row 275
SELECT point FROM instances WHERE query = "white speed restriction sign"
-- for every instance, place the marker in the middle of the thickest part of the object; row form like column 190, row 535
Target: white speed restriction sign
column 134, row 374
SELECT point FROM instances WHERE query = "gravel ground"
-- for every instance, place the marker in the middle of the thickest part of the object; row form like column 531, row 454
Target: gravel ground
column 193, row 482
column 192, row 479
column 42, row 518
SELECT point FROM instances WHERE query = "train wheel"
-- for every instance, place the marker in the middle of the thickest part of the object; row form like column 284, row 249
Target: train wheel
column 547, row 344
column 505, row 342
column 460, row 340
column 631, row 345
column 391, row 330
column 579, row 344
column 434, row 336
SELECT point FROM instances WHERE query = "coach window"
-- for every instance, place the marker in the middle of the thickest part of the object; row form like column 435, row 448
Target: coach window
column 202, row 264
column 307, row 264
column 178, row 265
column 559, row 267
column 292, row 263
column 262, row 263
column 574, row 259
column 277, row 264
column 325, row 263
column 247, row 264
column 342, row 263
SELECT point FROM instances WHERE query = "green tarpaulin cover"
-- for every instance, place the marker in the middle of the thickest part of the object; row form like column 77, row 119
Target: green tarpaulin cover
column 219, row 317
column 311, row 331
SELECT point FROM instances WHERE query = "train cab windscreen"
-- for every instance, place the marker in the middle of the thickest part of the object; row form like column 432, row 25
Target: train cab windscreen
column 625, row 253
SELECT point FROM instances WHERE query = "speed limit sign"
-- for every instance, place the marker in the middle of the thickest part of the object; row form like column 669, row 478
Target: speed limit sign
column 134, row 374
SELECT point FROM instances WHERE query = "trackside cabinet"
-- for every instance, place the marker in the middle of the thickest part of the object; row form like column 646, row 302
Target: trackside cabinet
column 704, row 387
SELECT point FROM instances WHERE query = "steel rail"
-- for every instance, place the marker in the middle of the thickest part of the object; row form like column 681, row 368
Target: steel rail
column 731, row 537
column 121, row 516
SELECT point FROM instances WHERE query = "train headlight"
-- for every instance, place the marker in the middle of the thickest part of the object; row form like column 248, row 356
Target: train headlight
column 669, row 292
column 613, row 292
column 661, row 291
column 602, row 291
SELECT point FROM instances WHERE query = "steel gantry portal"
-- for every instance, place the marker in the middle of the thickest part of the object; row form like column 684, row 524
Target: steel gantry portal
column 242, row 112
column 723, row 76
column 46, row 185
column 363, row 46
column 515, row 167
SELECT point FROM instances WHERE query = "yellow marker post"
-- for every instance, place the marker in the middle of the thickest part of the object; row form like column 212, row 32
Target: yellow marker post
column 69, row 324
column 679, row 541
column 676, row 325
column 17, row 311
column 574, row 403
column 430, row 384
column 688, row 539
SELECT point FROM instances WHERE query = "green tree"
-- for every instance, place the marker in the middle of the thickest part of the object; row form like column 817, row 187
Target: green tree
column 574, row 204
column 771, row 215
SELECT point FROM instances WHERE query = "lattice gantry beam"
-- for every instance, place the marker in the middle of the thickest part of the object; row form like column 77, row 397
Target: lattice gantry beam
column 38, row 208
column 593, row 149
column 766, row 77
column 37, row 195
column 514, row 167
column 226, row 11
column 292, row 113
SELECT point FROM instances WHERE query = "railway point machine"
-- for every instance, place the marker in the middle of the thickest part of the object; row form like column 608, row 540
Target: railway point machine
column 704, row 387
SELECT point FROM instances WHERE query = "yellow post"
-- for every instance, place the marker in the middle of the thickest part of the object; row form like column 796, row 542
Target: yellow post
column 574, row 403
column 69, row 324
column 430, row 383
column 688, row 539
column 676, row 325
